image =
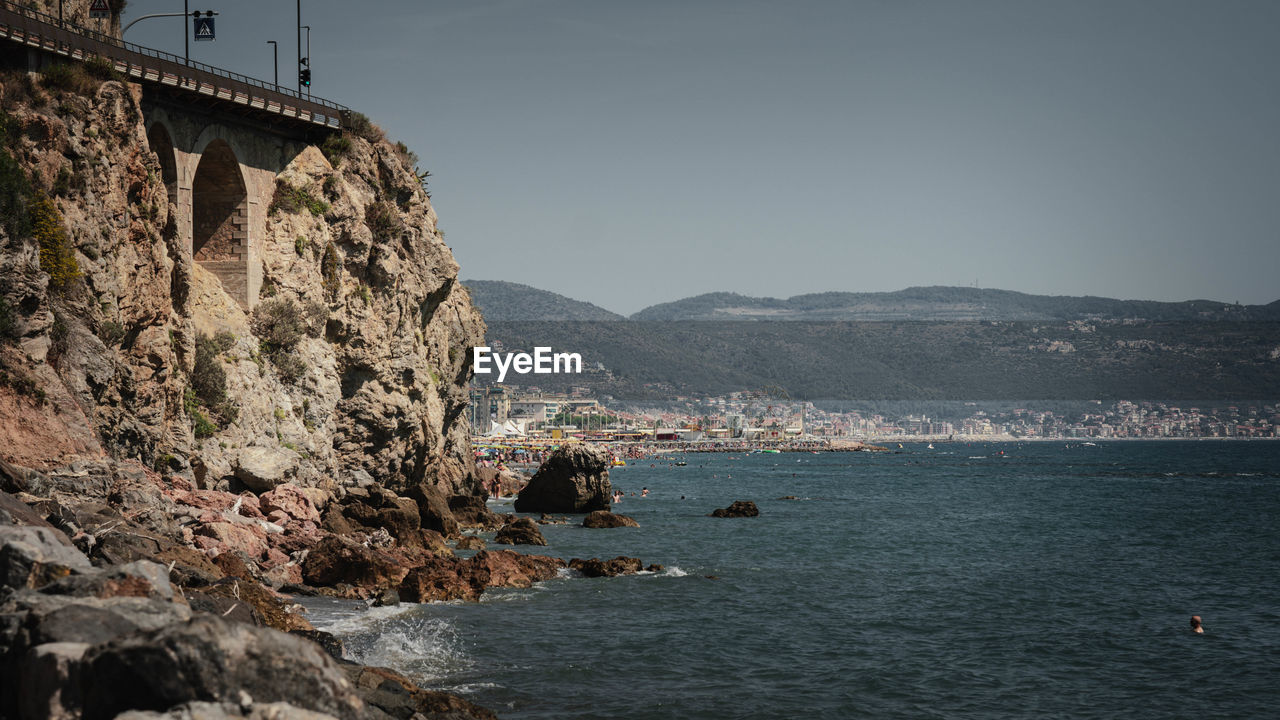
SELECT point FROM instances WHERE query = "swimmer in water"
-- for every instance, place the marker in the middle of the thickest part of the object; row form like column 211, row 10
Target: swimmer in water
column 1195, row 625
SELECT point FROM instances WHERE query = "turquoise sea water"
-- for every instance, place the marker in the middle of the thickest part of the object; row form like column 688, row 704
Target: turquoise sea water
column 946, row 583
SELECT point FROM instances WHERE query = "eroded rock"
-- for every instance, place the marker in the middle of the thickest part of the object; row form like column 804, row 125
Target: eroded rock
column 606, row 519
column 573, row 479
column 737, row 509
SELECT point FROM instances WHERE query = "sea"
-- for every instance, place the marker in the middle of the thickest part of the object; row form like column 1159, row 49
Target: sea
column 1000, row 580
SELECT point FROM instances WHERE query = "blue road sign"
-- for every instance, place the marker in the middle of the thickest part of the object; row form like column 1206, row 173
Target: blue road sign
column 204, row 28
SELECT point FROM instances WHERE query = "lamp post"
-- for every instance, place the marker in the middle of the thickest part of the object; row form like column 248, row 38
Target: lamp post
column 299, row 8
column 307, row 58
column 275, row 62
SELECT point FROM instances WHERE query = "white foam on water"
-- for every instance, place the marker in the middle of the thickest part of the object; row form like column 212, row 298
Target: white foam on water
column 361, row 620
column 674, row 571
column 423, row 647
column 469, row 688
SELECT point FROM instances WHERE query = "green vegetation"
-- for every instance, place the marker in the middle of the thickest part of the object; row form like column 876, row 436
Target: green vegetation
column 383, row 220
column 502, row 301
column 8, row 322
column 300, row 245
column 15, row 188
column 62, row 183
column 335, row 148
column 361, row 126
column 56, row 256
column 292, row 199
column 911, row 360
column 71, row 77
column 111, row 332
column 208, row 387
column 330, row 267
column 22, row 384
column 280, row 325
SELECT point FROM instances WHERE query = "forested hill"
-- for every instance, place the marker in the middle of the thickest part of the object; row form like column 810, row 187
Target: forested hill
column 501, row 301
column 947, row 303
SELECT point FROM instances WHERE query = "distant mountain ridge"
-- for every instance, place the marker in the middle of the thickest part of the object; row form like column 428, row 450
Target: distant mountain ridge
column 501, row 301
column 940, row 303
column 511, row 302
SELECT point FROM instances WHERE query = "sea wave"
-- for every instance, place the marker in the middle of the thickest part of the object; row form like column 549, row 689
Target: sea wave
column 402, row 637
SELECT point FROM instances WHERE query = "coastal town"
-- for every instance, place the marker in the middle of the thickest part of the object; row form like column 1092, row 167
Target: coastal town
column 767, row 417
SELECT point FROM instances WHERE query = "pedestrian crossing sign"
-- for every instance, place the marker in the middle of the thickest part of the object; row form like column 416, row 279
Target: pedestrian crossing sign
column 99, row 9
column 204, row 28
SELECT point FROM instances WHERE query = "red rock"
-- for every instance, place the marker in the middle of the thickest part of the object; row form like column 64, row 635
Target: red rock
column 251, row 541
column 451, row 579
column 341, row 560
column 290, row 499
column 274, row 557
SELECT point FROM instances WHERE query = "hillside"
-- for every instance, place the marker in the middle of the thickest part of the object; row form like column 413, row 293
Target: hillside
column 512, row 301
column 945, row 303
column 913, row 360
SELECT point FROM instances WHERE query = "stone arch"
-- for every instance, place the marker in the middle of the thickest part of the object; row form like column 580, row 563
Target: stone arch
column 161, row 143
column 220, row 219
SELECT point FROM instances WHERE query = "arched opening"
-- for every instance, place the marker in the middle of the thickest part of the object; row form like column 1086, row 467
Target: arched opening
column 160, row 143
column 220, row 219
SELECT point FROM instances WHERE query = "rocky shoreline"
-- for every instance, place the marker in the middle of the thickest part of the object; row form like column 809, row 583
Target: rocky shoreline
column 126, row 590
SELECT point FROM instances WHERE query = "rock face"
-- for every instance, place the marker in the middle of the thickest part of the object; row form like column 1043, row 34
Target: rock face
column 521, row 531
column 606, row 519
column 104, row 355
column 738, row 508
column 573, row 479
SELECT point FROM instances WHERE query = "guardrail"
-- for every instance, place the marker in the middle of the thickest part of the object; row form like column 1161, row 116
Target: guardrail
column 46, row 32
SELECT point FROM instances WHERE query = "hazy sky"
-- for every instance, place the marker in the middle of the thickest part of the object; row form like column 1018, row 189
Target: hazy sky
column 629, row 153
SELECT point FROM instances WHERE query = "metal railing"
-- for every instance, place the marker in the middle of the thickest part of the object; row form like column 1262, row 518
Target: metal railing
column 38, row 29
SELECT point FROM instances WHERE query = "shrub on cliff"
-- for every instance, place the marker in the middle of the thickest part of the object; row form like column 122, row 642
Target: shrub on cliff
column 72, row 77
column 8, row 323
column 15, row 188
column 56, row 256
column 362, row 126
column 288, row 198
column 336, row 147
column 208, row 378
column 280, row 324
column 383, row 220
column 208, row 387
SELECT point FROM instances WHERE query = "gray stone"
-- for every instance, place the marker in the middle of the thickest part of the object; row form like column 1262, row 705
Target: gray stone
column 33, row 556
column 261, row 469
column 49, row 676
column 210, row 658
column 225, row 711
column 573, row 479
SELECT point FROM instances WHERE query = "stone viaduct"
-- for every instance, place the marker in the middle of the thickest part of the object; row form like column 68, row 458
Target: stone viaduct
column 221, row 137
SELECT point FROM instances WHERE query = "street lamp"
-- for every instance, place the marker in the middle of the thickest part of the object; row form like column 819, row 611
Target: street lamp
column 275, row 61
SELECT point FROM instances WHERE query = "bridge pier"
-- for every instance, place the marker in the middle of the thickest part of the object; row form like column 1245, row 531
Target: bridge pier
column 221, row 175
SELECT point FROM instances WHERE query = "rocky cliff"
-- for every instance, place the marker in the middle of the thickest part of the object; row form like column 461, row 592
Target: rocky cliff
column 350, row 371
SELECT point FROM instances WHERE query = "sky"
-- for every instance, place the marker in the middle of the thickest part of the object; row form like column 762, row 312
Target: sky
column 631, row 153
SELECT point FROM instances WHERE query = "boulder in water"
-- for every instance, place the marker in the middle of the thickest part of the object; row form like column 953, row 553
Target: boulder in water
column 573, row 479
column 521, row 531
column 739, row 508
column 606, row 519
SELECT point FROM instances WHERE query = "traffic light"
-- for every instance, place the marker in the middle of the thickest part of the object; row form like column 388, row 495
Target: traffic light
column 304, row 77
